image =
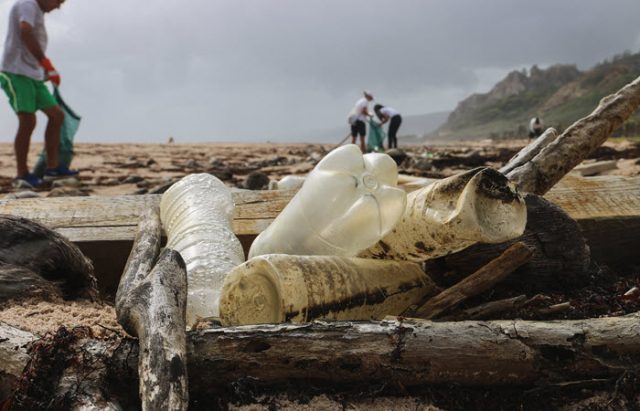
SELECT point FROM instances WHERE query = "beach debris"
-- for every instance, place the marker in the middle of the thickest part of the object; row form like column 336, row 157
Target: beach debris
column 67, row 192
column 21, row 194
column 482, row 280
column 132, row 179
column 397, row 155
column 277, row 288
column 477, row 206
column 151, row 304
column 289, row 182
column 28, row 244
column 594, row 168
column 196, row 213
column 559, row 157
column 347, row 203
column 256, row 180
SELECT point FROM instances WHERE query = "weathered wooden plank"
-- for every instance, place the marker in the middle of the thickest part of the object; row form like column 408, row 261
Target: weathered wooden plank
column 85, row 219
column 115, row 218
column 597, row 197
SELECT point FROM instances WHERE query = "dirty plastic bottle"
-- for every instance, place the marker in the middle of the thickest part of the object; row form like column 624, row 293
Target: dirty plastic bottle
column 346, row 204
column 278, row 288
column 449, row 215
column 197, row 213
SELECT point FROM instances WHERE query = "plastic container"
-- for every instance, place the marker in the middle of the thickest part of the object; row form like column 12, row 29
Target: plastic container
column 477, row 206
column 197, row 213
column 289, row 182
column 279, row 288
column 347, row 203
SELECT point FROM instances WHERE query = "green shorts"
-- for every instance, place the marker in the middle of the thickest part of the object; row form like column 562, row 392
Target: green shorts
column 26, row 95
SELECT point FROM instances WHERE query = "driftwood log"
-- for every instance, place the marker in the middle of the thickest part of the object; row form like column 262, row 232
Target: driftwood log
column 32, row 246
column 578, row 141
column 482, row 280
column 560, row 254
column 395, row 352
column 530, row 151
column 19, row 282
column 151, row 305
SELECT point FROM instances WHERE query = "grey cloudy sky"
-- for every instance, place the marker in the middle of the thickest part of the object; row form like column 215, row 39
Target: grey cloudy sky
column 252, row 70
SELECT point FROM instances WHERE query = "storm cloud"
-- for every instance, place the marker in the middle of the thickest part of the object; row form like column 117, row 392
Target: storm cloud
column 252, row 70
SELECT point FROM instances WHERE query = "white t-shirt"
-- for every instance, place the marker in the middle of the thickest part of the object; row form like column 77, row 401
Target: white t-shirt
column 533, row 126
column 388, row 111
column 357, row 112
column 17, row 59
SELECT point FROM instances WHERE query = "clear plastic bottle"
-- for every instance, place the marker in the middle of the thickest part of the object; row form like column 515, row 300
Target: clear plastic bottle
column 197, row 213
column 346, row 204
column 278, row 288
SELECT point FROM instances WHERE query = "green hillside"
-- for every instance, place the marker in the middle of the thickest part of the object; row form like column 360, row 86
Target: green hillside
column 560, row 95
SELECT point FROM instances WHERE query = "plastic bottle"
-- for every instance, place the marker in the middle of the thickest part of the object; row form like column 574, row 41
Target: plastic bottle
column 197, row 213
column 346, row 204
column 477, row 206
column 278, row 288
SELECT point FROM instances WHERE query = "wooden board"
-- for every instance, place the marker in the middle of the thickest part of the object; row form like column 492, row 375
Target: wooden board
column 85, row 219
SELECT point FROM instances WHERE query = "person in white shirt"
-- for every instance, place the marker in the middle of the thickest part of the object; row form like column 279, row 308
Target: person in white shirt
column 357, row 119
column 535, row 127
column 388, row 114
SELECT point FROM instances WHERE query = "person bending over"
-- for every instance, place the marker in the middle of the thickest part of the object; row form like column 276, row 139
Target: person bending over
column 386, row 113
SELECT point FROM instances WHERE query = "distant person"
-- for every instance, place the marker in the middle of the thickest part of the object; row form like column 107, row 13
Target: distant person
column 386, row 113
column 535, row 127
column 357, row 119
column 23, row 71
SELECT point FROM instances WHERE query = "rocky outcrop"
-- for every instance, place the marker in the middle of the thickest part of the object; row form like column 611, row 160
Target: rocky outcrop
column 516, row 83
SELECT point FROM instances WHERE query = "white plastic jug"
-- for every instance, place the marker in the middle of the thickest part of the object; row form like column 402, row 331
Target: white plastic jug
column 347, row 203
column 197, row 213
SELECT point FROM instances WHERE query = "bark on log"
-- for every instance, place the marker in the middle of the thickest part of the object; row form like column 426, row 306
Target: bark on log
column 27, row 244
column 409, row 353
column 13, row 357
column 577, row 142
column 561, row 257
column 482, row 280
column 151, row 305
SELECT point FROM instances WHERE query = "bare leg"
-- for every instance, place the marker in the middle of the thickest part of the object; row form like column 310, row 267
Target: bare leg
column 26, row 124
column 353, row 139
column 52, row 134
column 362, row 146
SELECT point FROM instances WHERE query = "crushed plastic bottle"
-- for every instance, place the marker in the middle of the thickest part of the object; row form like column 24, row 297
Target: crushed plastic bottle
column 347, row 203
column 197, row 213
column 278, row 288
